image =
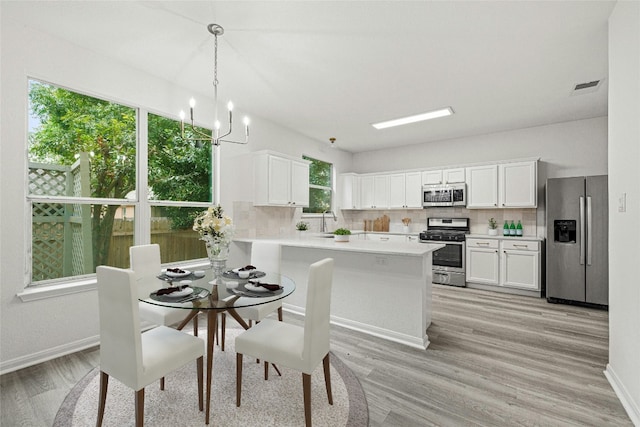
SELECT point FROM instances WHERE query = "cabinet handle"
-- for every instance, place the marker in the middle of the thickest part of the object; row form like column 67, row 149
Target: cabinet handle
column 520, row 246
column 482, row 243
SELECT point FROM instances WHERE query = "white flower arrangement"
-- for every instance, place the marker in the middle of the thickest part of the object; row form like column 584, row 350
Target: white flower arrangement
column 214, row 227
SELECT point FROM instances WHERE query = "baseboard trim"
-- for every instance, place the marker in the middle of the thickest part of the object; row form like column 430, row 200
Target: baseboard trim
column 386, row 334
column 632, row 408
column 48, row 354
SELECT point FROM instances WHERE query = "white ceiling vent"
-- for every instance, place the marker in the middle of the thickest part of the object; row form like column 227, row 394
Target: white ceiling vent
column 587, row 87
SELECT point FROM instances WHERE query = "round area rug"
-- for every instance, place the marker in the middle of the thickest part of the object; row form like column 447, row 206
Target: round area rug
column 276, row 402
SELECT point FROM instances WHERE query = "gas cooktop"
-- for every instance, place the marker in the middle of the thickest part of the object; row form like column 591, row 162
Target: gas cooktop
column 446, row 229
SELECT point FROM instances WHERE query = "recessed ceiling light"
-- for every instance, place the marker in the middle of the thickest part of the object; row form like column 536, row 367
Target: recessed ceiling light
column 412, row 119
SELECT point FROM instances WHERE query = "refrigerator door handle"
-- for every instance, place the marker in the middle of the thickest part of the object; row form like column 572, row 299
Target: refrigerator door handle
column 582, row 245
column 589, row 233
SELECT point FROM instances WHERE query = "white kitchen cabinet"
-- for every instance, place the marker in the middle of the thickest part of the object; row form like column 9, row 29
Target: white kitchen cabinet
column 482, row 186
column 505, row 185
column 483, row 261
column 405, row 190
column 374, row 191
column 280, row 180
column 520, row 264
column 518, row 185
column 453, row 176
column 432, row 177
column 350, row 191
column 443, row 176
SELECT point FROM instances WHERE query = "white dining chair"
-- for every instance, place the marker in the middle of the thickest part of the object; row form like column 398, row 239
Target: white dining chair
column 265, row 256
column 297, row 347
column 137, row 359
column 146, row 263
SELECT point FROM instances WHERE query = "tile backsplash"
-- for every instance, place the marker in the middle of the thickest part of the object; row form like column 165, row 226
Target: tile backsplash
column 263, row 221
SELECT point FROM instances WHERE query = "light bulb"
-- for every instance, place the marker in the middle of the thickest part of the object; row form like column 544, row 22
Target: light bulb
column 182, row 115
column 230, row 106
column 192, row 103
column 245, row 121
column 216, row 125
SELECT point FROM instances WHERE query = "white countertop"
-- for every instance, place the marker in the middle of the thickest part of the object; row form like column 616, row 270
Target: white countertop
column 355, row 245
column 501, row 237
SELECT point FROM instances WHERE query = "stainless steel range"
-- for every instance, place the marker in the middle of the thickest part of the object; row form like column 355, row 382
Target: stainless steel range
column 448, row 262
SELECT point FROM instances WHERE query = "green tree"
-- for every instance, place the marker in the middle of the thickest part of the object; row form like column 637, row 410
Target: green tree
column 71, row 123
column 178, row 169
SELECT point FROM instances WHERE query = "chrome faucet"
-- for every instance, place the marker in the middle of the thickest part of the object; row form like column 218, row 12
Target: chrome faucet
column 323, row 225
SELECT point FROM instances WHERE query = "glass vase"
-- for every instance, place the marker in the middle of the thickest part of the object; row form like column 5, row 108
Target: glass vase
column 218, row 252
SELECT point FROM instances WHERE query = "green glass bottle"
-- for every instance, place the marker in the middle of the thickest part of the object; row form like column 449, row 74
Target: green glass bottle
column 512, row 229
column 519, row 229
column 505, row 229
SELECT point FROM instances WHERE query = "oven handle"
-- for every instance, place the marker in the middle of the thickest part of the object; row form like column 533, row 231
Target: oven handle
column 441, row 242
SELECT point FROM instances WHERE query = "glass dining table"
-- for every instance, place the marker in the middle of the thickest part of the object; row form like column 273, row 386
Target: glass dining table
column 224, row 294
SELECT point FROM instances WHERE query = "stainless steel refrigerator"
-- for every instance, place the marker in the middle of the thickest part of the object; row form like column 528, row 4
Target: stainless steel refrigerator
column 577, row 240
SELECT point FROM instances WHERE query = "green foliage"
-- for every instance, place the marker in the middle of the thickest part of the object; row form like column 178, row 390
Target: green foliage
column 302, row 226
column 492, row 223
column 320, row 174
column 342, row 232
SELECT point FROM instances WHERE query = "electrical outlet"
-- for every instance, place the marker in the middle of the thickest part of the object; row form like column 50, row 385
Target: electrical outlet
column 622, row 202
column 381, row 260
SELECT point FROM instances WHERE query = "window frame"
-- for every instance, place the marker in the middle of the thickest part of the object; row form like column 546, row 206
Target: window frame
column 34, row 290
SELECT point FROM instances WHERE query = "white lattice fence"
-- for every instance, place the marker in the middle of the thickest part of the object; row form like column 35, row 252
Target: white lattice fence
column 61, row 233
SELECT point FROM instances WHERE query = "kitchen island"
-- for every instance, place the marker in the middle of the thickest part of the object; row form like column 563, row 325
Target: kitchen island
column 379, row 288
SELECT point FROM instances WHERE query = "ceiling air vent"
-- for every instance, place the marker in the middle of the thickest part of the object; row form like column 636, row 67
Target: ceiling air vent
column 587, row 87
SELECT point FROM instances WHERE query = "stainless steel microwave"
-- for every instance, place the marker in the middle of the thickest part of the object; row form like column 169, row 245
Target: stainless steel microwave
column 444, row 195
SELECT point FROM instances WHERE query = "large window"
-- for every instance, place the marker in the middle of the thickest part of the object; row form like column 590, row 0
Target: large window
column 89, row 195
column 320, row 186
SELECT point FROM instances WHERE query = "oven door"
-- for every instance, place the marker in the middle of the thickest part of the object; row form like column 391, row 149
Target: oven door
column 449, row 258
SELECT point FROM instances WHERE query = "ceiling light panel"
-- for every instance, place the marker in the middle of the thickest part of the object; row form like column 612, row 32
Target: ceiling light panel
column 413, row 119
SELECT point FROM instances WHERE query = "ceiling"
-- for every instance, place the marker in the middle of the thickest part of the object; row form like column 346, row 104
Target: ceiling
column 331, row 68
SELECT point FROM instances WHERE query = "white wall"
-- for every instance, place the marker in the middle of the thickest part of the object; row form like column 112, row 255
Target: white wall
column 623, row 370
column 565, row 149
column 38, row 330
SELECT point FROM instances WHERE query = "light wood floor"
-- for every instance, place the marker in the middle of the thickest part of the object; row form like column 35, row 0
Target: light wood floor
column 494, row 360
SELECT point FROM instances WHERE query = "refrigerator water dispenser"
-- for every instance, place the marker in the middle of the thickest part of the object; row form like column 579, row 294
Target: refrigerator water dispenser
column 564, row 231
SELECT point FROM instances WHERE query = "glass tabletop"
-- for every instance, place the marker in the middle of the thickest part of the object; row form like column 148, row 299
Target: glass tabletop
column 229, row 293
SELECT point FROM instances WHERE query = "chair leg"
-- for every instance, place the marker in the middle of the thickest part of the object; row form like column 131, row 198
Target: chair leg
column 327, row 377
column 266, row 370
column 306, row 390
column 195, row 326
column 162, row 383
column 238, row 377
column 224, row 329
column 199, row 366
column 104, row 383
column 140, row 407
column 280, row 314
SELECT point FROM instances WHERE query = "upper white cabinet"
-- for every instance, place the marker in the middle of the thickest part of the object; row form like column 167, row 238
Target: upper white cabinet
column 374, row 191
column 453, row 176
column 405, row 190
column 280, row 180
column 518, row 185
column 482, row 186
column 443, row 176
column 432, row 177
column 350, row 188
column 506, row 185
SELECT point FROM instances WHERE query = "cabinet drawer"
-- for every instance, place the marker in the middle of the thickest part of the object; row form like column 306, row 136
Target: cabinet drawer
column 521, row 245
column 482, row 243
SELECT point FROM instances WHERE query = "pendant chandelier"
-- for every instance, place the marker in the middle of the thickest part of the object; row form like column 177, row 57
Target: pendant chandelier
column 216, row 137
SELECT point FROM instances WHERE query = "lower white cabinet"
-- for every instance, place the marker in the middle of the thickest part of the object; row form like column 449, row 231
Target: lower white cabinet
column 520, row 264
column 483, row 260
column 504, row 263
